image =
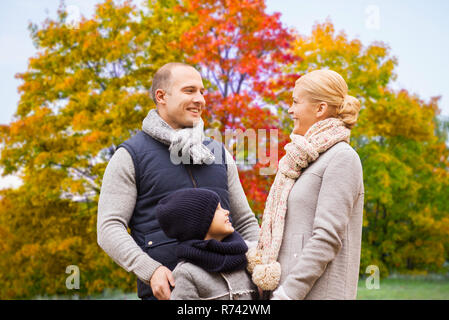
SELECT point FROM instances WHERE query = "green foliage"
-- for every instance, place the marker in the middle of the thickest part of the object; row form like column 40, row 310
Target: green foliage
column 86, row 91
column 402, row 145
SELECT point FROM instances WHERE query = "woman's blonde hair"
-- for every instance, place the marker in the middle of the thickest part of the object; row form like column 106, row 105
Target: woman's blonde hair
column 330, row 87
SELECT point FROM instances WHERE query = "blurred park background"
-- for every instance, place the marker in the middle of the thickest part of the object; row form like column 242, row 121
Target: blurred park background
column 75, row 81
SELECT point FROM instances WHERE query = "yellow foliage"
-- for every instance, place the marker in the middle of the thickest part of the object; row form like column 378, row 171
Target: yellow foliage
column 404, row 158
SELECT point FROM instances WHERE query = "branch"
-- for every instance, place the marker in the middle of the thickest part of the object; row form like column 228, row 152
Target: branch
column 217, row 82
column 85, row 176
column 242, row 78
column 228, row 74
column 90, row 180
column 95, row 71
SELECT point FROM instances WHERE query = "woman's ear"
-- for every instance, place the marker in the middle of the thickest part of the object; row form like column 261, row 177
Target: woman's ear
column 322, row 110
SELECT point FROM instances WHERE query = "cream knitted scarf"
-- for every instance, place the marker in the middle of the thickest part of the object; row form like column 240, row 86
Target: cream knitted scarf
column 300, row 152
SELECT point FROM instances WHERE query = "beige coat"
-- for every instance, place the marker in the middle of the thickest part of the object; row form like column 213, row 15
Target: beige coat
column 320, row 252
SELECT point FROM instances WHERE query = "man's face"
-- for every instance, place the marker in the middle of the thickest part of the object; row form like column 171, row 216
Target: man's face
column 184, row 102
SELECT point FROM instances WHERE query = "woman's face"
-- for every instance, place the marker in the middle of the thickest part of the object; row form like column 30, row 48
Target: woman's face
column 303, row 112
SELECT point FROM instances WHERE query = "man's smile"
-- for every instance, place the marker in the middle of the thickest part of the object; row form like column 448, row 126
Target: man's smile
column 194, row 110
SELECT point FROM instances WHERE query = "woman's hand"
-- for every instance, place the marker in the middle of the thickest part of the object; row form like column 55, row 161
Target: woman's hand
column 260, row 293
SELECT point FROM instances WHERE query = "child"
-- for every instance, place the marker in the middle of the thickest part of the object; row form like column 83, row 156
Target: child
column 211, row 255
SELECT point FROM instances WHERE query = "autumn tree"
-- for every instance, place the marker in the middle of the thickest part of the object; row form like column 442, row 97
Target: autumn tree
column 85, row 91
column 402, row 144
column 240, row 50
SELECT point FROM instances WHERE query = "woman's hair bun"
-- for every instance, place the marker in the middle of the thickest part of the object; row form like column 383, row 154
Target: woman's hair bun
column 329, row 86
column 348, row 112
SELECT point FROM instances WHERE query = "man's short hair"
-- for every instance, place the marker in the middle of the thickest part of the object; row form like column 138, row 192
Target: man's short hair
column 162, row 77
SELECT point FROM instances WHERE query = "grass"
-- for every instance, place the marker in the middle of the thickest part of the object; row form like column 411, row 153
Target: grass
column 107, row 294
column 396, row 287
column 406, row 288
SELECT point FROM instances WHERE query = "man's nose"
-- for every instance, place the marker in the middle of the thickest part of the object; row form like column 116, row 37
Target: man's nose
column 199, row 99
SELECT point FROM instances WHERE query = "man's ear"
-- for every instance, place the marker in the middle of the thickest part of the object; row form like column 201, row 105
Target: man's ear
column 160, row 96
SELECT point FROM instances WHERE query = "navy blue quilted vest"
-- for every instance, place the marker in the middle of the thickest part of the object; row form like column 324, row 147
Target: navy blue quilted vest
column 156, row 177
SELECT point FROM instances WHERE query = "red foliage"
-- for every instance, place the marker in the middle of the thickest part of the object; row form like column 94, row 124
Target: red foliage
column 241, row 50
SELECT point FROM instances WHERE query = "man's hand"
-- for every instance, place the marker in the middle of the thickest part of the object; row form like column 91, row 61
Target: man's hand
column 160, row 283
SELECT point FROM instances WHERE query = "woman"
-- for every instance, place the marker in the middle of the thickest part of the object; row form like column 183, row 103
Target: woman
column 310, row 242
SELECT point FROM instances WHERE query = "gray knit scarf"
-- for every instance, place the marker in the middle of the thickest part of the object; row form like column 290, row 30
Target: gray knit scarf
column 185, row 145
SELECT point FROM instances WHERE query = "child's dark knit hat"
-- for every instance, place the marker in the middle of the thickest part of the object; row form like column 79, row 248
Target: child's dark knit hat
column 187, row 214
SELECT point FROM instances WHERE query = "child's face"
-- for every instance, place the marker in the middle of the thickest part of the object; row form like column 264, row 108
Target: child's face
column 220, row 226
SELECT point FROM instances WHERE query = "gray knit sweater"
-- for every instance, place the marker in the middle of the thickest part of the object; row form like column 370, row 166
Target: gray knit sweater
column 116, row 205
column 195, row 283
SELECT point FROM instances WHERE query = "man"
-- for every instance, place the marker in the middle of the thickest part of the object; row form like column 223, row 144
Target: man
column 146, row 168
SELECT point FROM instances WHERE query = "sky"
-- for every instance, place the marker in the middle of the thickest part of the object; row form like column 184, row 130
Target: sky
column 417, row 32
